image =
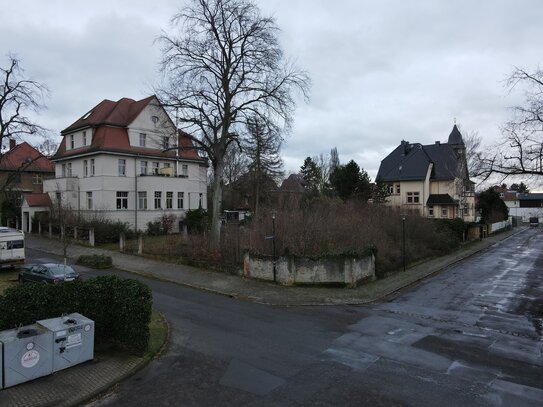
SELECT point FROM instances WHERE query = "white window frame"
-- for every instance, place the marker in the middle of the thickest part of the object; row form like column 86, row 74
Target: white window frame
column 413, row 197
column 69, row 169
column 143, row 139
column 144, row 165
column 165, row 142
column 180, row 200
column 92, row 172
column 444, row 212
column 37, row 179
column 184, row 170
column 72, row 142
column 122, row 167
column 158, row 199
column 84, row 138
column 122, row 200
column 431, row 210
column 169, row 199
column 89, row 200
column 85, row 168
column 142, row 200
column 156, row 167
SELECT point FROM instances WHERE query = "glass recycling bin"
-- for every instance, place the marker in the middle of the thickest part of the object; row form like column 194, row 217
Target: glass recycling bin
column 27, row 354
column 73, row 339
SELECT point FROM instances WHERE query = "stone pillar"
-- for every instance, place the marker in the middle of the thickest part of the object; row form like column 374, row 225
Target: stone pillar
column 91, row 237
column 140, row 244
column 122, row 242
column 50, row 230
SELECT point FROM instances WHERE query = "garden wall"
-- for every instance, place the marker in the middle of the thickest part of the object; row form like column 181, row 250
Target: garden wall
column 295, row 270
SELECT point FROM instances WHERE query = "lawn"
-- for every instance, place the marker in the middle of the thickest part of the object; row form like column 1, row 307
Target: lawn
column 8, row 277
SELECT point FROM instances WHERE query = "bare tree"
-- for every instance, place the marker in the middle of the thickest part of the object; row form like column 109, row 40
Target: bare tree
column 323, row 162
column 224, row 66
column 235, row 164
column 19, row 96
column 262, row 146
column 520, row 151
column 48, row 147
column 472, row 142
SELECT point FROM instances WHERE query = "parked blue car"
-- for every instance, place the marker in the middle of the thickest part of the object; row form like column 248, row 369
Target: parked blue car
column 47, row 273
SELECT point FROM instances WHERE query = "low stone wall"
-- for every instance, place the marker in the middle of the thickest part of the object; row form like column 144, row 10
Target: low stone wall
column 295, row 270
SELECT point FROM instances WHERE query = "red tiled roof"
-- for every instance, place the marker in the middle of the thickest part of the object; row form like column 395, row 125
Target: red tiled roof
column 24, row 157
column 110, row 120
column 42, row 199
column 120, row 113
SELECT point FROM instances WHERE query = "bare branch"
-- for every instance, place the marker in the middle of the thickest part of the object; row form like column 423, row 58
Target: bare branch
column 223, row 67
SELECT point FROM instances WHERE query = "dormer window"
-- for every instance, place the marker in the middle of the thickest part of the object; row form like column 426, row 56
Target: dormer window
column 86, row 115
column 84, row 138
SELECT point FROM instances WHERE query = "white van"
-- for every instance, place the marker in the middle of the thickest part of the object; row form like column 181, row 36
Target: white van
column 12, row 247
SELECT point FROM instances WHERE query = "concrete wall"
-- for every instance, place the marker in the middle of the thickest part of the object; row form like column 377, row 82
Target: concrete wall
column 495, row 227
column 290, row 270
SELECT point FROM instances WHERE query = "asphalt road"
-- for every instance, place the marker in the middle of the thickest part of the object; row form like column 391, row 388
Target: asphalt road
column 471, row 336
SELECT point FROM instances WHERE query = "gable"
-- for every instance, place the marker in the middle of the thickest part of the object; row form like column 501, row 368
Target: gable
column 24, row 157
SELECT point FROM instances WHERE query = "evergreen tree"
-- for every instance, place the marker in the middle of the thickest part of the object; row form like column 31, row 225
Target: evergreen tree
column 262, row 147
column 311, row 175
column 350, row 181
column 522, row 187
column 492, row 207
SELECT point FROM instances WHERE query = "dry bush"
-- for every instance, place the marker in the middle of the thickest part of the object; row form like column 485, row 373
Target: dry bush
column 332, row 227
column 323, row 227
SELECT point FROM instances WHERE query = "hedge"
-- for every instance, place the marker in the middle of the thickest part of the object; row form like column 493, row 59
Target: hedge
column 97, row 261
column 120, row 308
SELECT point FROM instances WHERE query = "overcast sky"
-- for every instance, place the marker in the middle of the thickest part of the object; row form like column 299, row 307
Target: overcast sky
column 382, row 71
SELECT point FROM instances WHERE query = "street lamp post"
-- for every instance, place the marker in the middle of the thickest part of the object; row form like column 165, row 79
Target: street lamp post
column 404, row 217
column 273, row 213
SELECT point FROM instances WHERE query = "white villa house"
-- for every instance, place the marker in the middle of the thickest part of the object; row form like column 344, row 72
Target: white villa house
column 119, row 161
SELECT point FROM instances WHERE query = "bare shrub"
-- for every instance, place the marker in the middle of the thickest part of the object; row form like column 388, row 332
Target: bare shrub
column 322, row 227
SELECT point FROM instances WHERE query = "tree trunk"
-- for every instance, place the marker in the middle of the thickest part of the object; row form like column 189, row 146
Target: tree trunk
column 216, row 205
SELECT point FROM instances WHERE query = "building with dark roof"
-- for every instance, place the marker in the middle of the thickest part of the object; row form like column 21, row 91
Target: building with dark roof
column 127, row 161
column 431, row 179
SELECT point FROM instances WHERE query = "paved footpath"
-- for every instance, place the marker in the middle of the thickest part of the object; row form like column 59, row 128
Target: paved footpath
column 264, row 292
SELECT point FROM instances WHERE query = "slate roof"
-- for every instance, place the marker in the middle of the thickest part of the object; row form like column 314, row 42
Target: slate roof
column 455, row 137
column 19, row 156
column 110, row 121
column 440, row 199
column 410, row 161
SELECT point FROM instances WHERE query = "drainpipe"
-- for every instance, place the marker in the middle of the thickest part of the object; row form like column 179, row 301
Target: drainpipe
column 136, row 193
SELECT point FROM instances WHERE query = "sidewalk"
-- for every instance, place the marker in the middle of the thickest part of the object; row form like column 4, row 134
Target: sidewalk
column 264, row 292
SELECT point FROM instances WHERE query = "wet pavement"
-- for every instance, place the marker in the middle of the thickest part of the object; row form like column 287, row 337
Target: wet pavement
column 469, row 336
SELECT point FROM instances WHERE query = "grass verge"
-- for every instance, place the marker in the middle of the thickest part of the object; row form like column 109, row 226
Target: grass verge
column 8, row 278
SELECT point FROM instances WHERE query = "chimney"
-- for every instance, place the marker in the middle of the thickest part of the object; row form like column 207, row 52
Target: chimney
column 406, row 147
column 438, row 143
column 12, row 144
